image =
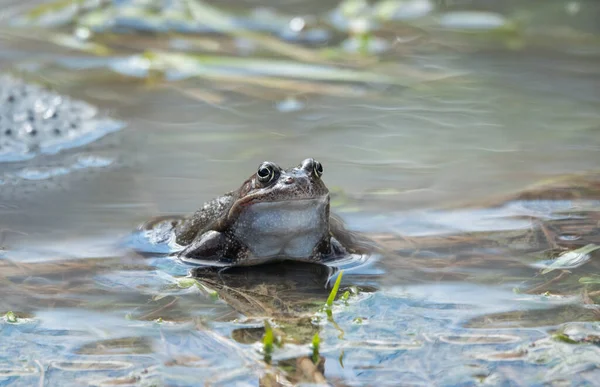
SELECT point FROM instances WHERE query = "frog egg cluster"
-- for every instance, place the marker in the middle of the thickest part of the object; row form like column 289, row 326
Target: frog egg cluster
column 35, row 121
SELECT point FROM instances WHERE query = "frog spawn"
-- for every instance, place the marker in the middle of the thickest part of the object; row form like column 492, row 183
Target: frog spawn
column 34, row 121
column 46, row 139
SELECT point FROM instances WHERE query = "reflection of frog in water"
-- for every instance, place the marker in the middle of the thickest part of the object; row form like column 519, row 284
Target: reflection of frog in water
column 275, row 214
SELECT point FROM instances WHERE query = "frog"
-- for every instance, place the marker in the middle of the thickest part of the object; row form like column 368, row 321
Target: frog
column 276, row 214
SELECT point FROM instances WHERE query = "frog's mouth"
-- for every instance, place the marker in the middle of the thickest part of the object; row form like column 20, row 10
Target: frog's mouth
column 267, row 202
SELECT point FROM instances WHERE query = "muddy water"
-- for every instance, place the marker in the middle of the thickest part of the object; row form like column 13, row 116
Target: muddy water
column 458, row 299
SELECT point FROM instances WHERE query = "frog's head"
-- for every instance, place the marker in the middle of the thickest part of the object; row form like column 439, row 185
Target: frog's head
column 271, row 183
column 282, row 212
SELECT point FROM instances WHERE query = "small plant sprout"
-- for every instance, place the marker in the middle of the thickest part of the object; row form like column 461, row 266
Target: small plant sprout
column 186, row 282
column 334, row 290
column 268, row 342
column 10, row 317
column 345, row 296
column 316, row 341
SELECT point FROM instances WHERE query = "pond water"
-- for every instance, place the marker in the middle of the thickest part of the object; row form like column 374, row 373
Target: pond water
column 426, row 168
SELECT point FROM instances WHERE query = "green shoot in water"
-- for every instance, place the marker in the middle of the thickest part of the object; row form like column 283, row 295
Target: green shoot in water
column 334, row 290
column 10, row 317
column 329, row 303
column 316, row 341
column 268, row 342
column 564, row 338
column 345, row 296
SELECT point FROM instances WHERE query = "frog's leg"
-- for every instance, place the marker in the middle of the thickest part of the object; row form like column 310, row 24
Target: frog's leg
column 192, row 227
column 351, row 241
column 336, row 248
column 329, row 248
column 213, row 248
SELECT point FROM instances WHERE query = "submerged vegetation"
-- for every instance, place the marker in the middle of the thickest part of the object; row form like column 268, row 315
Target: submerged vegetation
column 10, row 317
column 191, row 38
column 177, row 52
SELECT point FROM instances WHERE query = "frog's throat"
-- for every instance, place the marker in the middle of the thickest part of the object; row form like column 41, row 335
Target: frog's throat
column 289, row 228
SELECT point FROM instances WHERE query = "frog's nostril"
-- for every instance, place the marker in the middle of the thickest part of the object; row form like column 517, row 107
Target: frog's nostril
column 288, row 180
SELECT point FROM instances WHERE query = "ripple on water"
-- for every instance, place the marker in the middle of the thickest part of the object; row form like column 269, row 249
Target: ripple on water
column 97, row 365
column 482, row 339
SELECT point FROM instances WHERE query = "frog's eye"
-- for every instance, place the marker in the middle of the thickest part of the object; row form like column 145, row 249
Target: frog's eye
column 318, row 168
column 265, row 173
column 312, row 166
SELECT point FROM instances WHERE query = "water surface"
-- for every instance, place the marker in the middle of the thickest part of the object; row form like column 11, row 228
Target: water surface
column 458, row 301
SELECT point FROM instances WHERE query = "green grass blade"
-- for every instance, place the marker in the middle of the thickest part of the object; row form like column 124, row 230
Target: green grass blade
column 334, row 290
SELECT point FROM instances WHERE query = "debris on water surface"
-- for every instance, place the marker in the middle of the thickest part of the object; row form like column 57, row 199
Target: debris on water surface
column 579, row 333
column 35, row 121
column 290, row 105
column 571, row 259
column 560, row 353
column 17, row 318
column 10, row 317
column 173, row 16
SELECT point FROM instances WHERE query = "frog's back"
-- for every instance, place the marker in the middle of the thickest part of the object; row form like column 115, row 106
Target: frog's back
column 163, row 230
column 201, row 220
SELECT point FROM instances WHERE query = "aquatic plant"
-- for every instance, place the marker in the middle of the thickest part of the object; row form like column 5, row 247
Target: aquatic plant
column 316, row 341
column 10, row 317
column 334, row 290
column 268, row 341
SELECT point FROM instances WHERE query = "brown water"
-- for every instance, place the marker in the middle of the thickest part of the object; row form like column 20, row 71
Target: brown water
column 433, row 312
